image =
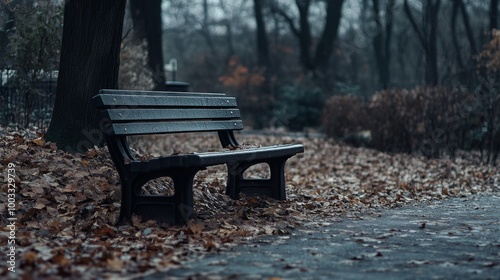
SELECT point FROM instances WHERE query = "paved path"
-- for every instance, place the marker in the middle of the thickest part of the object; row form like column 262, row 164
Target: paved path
column 453, row 239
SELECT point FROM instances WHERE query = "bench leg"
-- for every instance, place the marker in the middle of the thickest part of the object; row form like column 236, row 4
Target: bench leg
column 176, row 209
column 126, row 202
column 273, row 187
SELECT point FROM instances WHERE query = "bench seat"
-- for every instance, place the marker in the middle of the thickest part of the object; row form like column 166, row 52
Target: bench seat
column 215, row 158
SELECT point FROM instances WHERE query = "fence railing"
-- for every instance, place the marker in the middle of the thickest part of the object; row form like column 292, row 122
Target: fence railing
column 26, row 108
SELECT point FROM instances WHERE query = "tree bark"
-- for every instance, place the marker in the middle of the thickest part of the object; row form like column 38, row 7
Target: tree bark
column 325, row 46
column 4, row 37
column 468, row 28
column 205, row 30
column 89, row 62
column 382, row 42
column 493, row 14
column 432, row 10
column 427, row 35
column 262, row 42
column 146, row 16
column 456, row 44
column 304, row 34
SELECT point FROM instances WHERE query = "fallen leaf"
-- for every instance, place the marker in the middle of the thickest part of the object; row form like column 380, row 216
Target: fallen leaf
column 39, row 142
column 115, row 264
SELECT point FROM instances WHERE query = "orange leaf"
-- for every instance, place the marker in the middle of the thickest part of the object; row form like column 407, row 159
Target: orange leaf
column 39, row 141
column 115, row 264
column 30, row 258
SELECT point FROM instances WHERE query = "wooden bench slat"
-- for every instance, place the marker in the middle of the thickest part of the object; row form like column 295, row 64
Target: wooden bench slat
column 162, row 101
column 249, row 154
column 173, row 114
column 169, row 93
column 140, row 128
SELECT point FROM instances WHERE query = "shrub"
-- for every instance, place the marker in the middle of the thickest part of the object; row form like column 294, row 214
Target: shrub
column 429, row 121
column 389, row 111
column 488, row 69
column 35, row 41
column 298, row 107
column 33, row 49
column 344, row 115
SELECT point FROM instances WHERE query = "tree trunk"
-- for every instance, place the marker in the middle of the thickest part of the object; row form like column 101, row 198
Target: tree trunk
column 456, row 44
column 382, row 42
column 4, row 36
column 468, row 28
column 304, row 34
column 89, row 62
column 427, row 35
column 146, row 16
column 432, row 10
column 205, row 30
column 325, row 46
column 262, row 42
column 493, row 14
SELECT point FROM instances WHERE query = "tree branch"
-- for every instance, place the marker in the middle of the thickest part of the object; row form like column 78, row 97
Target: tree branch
column 287, row 18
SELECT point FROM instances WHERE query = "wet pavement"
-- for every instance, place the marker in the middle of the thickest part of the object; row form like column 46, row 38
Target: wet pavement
column 457, row 238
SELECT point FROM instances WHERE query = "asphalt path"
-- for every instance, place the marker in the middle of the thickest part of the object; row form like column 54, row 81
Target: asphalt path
column 456, row 238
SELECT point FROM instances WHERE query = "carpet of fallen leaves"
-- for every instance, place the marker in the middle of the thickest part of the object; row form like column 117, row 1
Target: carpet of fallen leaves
column 67, row 204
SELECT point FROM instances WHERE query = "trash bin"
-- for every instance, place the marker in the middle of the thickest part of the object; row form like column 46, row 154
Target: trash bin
column 176, row 86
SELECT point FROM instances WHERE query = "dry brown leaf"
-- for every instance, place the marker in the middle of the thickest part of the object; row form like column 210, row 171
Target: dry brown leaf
column 115, row 264
column 39, row 142
column 30, row 258
column 69, row 189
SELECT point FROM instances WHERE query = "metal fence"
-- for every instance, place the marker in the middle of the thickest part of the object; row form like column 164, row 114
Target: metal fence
column 26, row 108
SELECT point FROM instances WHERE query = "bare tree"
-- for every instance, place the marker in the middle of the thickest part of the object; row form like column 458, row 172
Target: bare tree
column 427, row 36
column 7, row 25
column 205, row 29
column 330, row 30
column 262, row 42
column 382, row 41
column 324, row 47
column 464, row 68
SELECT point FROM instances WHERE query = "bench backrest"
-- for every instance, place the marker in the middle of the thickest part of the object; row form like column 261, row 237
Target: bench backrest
column 147, row 112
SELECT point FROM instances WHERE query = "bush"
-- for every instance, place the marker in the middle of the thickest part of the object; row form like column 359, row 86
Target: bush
column 33, row 50
column 430, row 121
column 488, row 69
column 298, row 107
column 343, row 116
column 389, row 111
column 35, row 41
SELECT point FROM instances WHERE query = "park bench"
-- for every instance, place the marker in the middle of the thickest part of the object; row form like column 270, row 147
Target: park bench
column 127, row 113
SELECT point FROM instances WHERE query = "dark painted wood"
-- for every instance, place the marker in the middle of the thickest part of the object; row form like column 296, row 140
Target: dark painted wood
column 127, row 113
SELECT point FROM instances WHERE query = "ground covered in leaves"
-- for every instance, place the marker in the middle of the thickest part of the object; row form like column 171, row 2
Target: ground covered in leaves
column 67, row 205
